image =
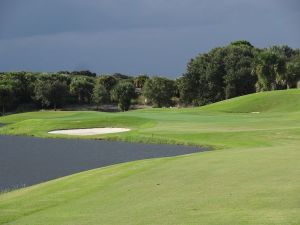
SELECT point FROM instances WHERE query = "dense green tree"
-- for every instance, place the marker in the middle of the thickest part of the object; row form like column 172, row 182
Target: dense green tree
column 100, row 94
column 123, row 93
column 293, row 72
column 220, row 74
column 108, row 82
column 239, row 79
column 159, row 91
column 22, row 83
column 270, row 70
column 78, row 73
column 242, row 43
column 6, row 96
column 193, row 86
column 120, row 76
column 215, row 73
column 140, row 80
column 82, row 88
column 283, row 51
column 51, row 93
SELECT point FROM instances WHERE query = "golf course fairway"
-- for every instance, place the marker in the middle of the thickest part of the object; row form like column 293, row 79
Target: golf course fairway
column 251, row 176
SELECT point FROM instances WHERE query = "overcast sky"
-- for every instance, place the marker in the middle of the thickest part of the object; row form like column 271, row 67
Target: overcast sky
column 156, row 37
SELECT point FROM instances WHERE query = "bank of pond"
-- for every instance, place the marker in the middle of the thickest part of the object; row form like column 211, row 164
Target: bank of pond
column 27, row 161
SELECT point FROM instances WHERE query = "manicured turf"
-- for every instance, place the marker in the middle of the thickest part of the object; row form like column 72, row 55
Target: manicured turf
column 251, row 178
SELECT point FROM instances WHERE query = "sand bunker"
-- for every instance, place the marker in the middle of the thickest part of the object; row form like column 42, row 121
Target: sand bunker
column 91, row 131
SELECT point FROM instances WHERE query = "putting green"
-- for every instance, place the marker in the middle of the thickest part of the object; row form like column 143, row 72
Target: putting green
column 251, row 178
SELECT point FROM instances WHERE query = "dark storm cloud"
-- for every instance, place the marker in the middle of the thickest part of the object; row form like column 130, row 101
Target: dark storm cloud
column 135, row 36
column 42, row 17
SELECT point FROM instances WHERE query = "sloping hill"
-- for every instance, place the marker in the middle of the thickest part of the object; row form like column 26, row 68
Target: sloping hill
column 273, row 101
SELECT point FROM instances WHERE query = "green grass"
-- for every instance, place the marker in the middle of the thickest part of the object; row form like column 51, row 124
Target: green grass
column 253, row 177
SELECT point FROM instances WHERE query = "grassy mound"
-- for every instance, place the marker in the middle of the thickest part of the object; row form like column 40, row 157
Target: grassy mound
column 274, row 101
column 253, row 180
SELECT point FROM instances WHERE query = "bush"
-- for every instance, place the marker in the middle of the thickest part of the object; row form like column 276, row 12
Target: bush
column 122, row 93
column 159, row 91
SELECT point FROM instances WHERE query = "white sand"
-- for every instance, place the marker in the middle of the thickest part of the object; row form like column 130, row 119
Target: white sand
column 91, row 131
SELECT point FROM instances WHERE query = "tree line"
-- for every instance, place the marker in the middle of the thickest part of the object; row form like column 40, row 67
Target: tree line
column 224, row 72
column 238, row 69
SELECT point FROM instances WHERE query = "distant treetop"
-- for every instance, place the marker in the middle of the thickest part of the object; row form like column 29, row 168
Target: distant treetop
column 242, row 42
column 79, row 73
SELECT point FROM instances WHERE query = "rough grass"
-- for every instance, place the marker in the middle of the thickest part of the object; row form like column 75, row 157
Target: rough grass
column 254, row 179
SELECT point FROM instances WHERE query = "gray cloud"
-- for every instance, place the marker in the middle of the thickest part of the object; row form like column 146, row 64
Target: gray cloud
column 135, row 36
column 34, row 17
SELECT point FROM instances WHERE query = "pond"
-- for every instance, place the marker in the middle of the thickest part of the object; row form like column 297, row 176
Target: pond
column 26, row 161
